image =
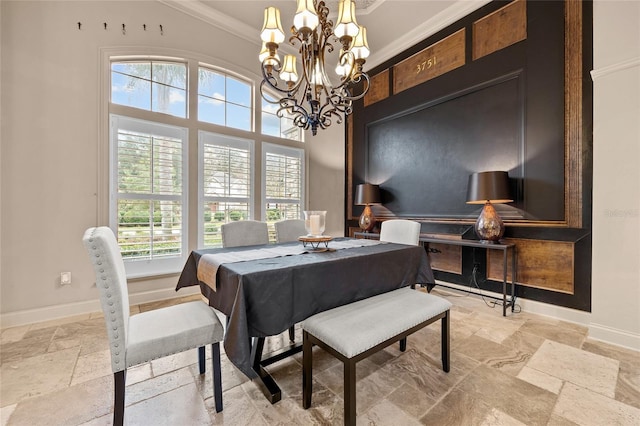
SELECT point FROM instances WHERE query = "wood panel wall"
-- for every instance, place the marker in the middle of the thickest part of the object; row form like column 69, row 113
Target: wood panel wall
column 538, row 37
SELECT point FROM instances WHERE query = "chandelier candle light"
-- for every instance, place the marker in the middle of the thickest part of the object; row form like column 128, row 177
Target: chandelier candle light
column 312, row 99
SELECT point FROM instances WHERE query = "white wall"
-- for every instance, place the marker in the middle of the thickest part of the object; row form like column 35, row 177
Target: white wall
column 616, row 168
column 51, row 134
column 49, row 111
column 326, row 183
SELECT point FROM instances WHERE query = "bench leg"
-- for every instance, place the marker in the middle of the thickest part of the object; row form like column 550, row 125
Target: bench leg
column 307, row 364
column 445, row 342
column 403, row 344
column 350, row 393
column 201, row 359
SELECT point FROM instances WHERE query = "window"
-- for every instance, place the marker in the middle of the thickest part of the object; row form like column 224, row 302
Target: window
column 150, row 85
column 224, row 100
column 148, row 201
column 225, row 182
column 277, row 126
column 283, row 175
column 160, row 110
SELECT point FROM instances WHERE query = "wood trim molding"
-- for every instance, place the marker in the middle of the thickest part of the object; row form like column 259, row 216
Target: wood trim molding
column 574, row 138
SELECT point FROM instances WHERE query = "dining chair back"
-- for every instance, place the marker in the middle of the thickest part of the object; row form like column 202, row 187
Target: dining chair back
column 244, row 233
column 400, row 231
column 289, row 230
column 136, row 339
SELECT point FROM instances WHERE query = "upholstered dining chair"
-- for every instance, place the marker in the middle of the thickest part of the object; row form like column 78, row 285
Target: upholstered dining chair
column 136, row 339
column 248, row 233
column 289, row 230
column 244, row 233
column 400, row 231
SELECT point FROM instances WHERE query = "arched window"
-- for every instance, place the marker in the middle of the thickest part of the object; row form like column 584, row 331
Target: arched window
column 154, row 127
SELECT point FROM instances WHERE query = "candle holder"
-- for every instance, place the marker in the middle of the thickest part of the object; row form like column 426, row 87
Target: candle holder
column 314, row 222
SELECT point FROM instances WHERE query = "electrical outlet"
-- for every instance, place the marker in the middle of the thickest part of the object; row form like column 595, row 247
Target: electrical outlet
column 65, row 278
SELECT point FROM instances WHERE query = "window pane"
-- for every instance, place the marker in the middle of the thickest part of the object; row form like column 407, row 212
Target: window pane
column 211, row 110
column 167, row 166
column 226, row 185
column 169, row 100
column 149, row 195
column 170, row 74
column 283, row 183
column 238, row 92
column 276, row 126
column 136, row 69
column 227, row 172
column 290, row 130
column 134, row 163
column 218, row 213
column 238, row 117
column 270, row 124
column 283, row 177
column 211, row 84
column 149, row 228
column 130, row 91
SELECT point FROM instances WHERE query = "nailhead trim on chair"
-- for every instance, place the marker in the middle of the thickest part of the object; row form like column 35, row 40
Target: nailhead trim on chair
column 115, row 354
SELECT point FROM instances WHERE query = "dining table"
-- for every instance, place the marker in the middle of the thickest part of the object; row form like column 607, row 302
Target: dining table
column 265, row 290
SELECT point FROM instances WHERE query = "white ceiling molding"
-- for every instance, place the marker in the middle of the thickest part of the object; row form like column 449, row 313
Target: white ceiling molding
column 451, row 14
column 211, row 16
column 458, row 9
column 220, row 20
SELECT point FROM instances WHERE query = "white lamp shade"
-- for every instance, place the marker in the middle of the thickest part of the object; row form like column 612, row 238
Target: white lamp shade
column 360, row 47
column 346, row 24
column 289, row 72
column 306, row 16
column 272, row 28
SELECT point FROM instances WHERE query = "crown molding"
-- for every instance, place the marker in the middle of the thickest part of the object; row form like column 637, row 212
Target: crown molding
column 614, row 68
column 222, row 21
column 453, row 13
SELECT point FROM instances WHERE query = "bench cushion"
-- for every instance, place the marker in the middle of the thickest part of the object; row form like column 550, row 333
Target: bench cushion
column 353, row 328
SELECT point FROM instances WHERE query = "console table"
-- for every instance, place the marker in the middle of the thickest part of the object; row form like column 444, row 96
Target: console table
column 504, row 247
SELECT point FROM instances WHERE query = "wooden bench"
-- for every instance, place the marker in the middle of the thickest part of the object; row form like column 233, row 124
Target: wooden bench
column 353, row 332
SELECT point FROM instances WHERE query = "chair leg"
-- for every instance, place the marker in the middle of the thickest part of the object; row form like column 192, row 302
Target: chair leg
column 202, row 358
column 119, row 379
column 446, row 355
column 403, row 344
column 217, row 375
column 307, row 370
column 292, row 333
column 350, row 393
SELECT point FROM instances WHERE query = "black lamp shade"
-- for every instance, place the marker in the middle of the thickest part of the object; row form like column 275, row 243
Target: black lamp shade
column 488, row 186
column 367, row 193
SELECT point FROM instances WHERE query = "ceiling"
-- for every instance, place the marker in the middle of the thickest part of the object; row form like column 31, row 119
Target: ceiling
column 392, row 25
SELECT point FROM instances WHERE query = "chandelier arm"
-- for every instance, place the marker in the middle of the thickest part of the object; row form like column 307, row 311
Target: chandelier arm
column 312, row 100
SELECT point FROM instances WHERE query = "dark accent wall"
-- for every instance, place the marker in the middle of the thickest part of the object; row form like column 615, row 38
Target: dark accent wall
column 519, row 101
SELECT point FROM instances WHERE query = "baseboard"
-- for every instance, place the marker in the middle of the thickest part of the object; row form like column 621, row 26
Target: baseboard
column 48, row 313
column 615, row 336
column 557, row 312
column 596, row 331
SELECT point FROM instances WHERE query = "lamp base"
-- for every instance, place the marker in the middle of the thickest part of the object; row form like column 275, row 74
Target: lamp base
column 489, row 226
column 367, row 219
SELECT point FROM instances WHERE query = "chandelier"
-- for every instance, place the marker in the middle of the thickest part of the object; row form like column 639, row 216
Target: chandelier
column 311, row 99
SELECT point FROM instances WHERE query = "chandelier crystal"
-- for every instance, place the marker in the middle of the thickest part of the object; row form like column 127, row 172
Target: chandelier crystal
column 312, row 99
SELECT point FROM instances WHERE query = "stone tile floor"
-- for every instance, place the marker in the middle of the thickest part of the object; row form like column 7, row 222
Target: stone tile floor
column 520, row 370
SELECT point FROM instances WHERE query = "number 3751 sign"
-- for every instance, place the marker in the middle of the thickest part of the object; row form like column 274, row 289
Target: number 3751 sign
column 435, row 60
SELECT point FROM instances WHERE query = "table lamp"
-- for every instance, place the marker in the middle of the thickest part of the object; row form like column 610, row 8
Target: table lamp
column 489, row 188
column 366, row 194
